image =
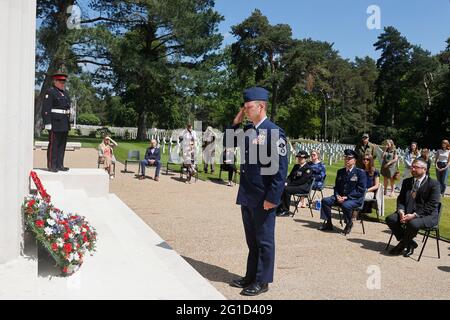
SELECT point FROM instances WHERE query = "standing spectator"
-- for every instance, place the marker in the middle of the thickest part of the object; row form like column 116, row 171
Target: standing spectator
column 363, row 148
column 372, row 182
column 229, row 163
column 442, row 162
column 389, row 166
column 106, row 153
column 209, row 149
column 189, row 148
column 425, row 156
column 318, row 170
column 412, row 154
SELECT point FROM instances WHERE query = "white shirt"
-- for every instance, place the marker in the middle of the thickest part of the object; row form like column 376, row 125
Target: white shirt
column 442, row 155
column 421, row 180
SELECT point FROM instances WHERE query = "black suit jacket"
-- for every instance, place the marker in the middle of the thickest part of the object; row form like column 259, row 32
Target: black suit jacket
column 426, row 203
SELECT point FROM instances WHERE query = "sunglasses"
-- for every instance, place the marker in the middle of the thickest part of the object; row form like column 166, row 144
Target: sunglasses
column 365, row 159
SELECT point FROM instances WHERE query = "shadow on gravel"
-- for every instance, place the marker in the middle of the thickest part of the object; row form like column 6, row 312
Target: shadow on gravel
column 211, row 272
column 445, row 269
column 372, row 245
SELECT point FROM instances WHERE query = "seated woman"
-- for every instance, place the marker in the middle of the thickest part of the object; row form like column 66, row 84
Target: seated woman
column 106, row 151
column 228, row 165
column 372, row 180
column 318, row 170
column 298, row 181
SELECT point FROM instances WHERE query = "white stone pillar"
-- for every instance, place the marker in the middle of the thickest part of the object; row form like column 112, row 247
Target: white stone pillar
column 17, row 73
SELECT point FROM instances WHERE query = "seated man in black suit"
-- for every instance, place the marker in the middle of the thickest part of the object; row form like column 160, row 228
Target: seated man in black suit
column 417, row 208
column 298, row 181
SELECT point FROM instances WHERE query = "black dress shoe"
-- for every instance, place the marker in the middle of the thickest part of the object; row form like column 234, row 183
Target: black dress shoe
column 284, row 214
column 326, row 226
column 53, row 170
column 241, row 283
column 410, row 249
column 255, row 288
column 63, row 169
column 398, row 249
column 348, row 228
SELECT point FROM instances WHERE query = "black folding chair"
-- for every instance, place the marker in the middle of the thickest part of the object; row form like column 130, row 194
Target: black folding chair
column 298, row 198
column 134, row 156
column 355, row 214
column 319, row 189
column 426, row 235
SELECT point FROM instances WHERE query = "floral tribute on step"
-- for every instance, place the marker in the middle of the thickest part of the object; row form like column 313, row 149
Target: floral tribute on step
column 68, row 237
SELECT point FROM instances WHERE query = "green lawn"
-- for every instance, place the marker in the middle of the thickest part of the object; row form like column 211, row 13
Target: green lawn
column 124, row 146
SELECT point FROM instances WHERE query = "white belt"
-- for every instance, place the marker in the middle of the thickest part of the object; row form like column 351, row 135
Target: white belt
column 61, row 111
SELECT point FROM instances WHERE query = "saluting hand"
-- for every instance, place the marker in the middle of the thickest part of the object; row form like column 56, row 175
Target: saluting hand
column 268, row 205
column 239, row 117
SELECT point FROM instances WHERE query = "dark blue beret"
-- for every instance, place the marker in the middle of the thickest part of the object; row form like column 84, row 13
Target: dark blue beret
column 302, row 154
column 350, row 153
column 256, row 94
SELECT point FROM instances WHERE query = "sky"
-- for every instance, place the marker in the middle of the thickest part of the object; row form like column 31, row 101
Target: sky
column 344, row 22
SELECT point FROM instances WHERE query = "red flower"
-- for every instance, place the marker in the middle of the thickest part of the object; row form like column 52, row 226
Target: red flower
column 66, row 236
column 67, row 248
column 31, row 203
column 85, row 239
column 39, row 224
column 54, row 247
column 65, row 270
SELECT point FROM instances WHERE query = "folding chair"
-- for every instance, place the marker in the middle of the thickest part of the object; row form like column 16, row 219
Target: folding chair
column 319, row 189
column 378, row 201
column 298, row 197
column 426, row 235
column 134, row 156
column 355, row 214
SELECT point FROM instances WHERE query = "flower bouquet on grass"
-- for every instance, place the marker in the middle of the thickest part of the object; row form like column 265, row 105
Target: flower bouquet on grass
column 66, row 236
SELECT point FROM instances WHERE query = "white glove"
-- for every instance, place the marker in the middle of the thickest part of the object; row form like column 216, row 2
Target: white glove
column 48, row 126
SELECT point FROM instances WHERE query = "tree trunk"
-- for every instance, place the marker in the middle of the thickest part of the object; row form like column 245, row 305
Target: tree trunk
column 142, row 126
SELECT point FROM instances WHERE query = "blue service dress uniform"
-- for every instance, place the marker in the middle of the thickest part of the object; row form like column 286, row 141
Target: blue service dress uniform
column 351, row 184
column 56, row 111
column 256, row 187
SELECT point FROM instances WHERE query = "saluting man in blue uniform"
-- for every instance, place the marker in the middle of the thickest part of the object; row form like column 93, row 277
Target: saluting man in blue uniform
column 263, row 174
column 56, row 116
column 349, row 192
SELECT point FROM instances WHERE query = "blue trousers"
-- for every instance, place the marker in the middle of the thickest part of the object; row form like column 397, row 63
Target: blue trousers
column 145, row 163
column 259, row 226
column 347, row 208
column 442, row 178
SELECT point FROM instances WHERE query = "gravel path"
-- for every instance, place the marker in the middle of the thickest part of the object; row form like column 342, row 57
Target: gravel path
column 203, row 224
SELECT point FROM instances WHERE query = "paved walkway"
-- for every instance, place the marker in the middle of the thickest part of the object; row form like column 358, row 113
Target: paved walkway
column 203, row 224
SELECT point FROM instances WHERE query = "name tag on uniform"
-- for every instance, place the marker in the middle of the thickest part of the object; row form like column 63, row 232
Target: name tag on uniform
column 354, row 178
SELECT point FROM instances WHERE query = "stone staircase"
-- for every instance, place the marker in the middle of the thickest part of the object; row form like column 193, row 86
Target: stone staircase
column 131, row 262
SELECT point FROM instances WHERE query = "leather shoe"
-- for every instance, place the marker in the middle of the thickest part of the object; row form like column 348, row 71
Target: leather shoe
column 398, row 249
column 63, row 169
column 326, row 226
column 241, row 283
column 348, row 228
column 255, row 288
column 156, row 178
column 284, row 214
column 53, row 170
column 410, row 249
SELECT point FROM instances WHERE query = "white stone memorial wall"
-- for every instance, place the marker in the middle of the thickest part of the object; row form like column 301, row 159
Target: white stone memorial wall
column 17, row 73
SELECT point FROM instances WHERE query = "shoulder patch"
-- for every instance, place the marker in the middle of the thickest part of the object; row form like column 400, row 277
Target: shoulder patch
column 282, row 147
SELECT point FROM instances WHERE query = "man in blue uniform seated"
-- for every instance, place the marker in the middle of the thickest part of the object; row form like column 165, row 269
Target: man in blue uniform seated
column 152, row 158
column 298, row 181
column 349, row 192
column 263, row 173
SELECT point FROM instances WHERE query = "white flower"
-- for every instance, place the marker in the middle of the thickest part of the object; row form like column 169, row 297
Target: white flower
column 71, row 235
column 53, row 215
column 70, row 257
column 51, row 222
column 76, row 229
column 60, row 242
column 76, row 257
column 83, row 230
column 48, row 231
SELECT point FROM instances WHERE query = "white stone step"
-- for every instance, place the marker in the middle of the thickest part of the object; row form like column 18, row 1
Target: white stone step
column 94, row 181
